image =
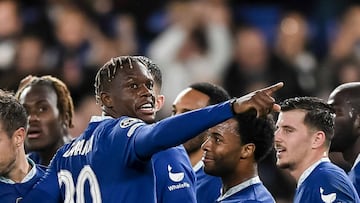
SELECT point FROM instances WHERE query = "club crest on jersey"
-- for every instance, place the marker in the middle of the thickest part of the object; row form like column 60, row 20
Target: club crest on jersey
column 128, row 122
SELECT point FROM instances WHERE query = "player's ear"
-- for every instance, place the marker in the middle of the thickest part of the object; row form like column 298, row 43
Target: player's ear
column 159, row 103
column 19, row 136
column 357, row 124
column 318, row 139
column 106, row 99
column 247, row 150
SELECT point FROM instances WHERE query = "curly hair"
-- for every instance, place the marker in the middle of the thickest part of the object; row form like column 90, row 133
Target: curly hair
column 64, row 100
column 259, row 131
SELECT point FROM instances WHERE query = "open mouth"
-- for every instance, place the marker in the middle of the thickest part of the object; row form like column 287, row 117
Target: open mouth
column 279, row 150
column 33, row 133
column 147, row 108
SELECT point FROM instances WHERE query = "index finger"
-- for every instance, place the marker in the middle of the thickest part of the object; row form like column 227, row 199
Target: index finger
column 273, row 88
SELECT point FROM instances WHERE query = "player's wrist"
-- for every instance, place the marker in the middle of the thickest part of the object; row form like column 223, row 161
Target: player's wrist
column 232, row 102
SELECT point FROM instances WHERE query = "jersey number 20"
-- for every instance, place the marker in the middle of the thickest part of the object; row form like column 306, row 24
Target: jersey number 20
column 86, row 174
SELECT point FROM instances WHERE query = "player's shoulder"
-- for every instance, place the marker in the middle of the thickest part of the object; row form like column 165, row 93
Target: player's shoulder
column 328, row 178
column 126, row 122
column 123, row 122
column 329, row 171
column 40, row 168
column 172, row 154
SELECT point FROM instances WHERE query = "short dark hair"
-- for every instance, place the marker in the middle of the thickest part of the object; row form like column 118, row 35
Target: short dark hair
column 107, row 73
column 216, row 93
column 350, row 93
column 12, row 114
column 259, row 131
column 64, row 100
column 319, row 115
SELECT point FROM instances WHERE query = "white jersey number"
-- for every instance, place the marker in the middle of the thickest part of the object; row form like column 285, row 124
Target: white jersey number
column 86, row 174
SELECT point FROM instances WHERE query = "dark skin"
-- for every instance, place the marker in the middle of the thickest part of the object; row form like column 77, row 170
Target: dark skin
column 347, row 123
column 131, row 94
column 46, row 127
column 227, row 157
column 261, row 101
column 188, row 100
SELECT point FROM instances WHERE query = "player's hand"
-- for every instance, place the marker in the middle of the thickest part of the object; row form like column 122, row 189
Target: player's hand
column 260, row 100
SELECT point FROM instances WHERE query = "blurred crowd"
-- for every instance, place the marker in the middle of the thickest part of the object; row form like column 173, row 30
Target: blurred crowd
column 241, row 45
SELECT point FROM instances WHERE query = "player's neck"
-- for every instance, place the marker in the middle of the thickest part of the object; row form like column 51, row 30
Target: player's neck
column 47, row 155
column 21, row 168
column 244, row 171
column 306, row 163
column 195, row 157
column 351, row 153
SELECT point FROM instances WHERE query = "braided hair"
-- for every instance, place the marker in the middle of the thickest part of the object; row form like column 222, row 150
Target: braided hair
column 64, row 100
column 107, row 73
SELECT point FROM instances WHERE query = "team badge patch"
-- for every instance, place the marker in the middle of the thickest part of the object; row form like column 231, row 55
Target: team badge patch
column 128, row 122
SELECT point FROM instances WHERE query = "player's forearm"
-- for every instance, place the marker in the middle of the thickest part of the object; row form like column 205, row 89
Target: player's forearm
column 176, row 130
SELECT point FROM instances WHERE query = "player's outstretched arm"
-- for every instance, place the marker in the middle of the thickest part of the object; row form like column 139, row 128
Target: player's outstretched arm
column 176, row 130
column 260, row 100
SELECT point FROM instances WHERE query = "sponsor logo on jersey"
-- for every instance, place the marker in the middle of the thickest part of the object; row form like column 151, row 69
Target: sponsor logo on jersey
column 178, row 186
column 176, row 177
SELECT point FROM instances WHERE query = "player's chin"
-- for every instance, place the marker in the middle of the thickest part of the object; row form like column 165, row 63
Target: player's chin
column 281, row 164
column 209, row 170
column 147, row 118
column 208, row 163
column 36, row 144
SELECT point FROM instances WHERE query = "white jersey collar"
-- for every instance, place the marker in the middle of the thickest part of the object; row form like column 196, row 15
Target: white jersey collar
column 308, row 171
column 356, row 162
column 28, row 177
column 239, row 187
column 99, row 118
column 198, row 166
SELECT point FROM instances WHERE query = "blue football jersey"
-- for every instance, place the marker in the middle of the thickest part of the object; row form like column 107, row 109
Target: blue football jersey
column 354, row 175
column 251, row 190
column 14, row 192
column 110, row 161
column 326, row 183
column 208, row 188
column 35, row 157
column 174, row 177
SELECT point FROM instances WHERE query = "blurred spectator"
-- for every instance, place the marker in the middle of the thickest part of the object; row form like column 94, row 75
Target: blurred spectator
column 195, row 47
column 344, row 71
column 10, row 28
column 292, row 46
column 343, row 48
column 72, row 30
column 125, row 34
column 254, row 66
column 29, row 59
